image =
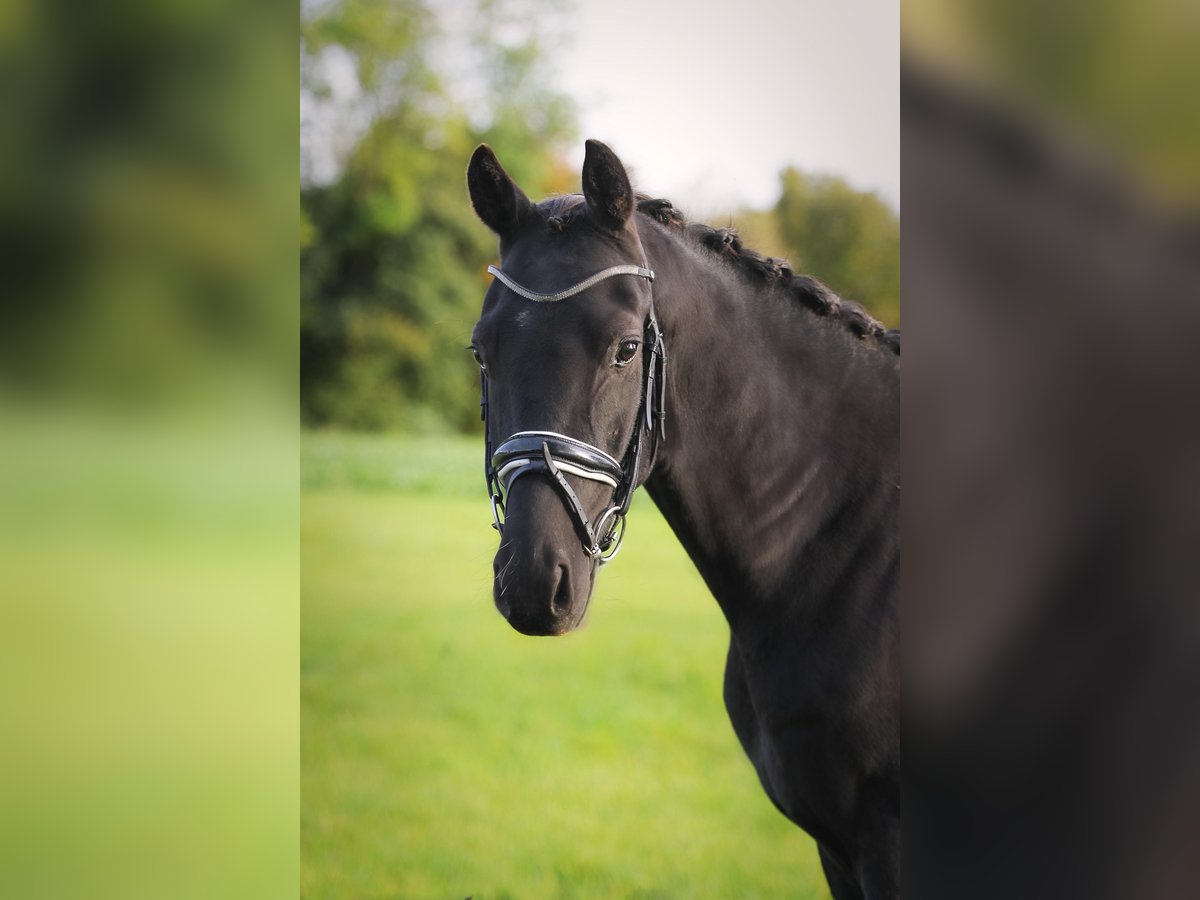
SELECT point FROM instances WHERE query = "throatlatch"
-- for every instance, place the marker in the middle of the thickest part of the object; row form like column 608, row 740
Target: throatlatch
column 559, row 455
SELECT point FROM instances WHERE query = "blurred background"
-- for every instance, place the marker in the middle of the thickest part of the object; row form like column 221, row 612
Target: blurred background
column 1051, row 449
column 148, row 450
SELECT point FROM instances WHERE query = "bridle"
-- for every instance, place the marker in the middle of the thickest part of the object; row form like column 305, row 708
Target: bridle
column 556, row 454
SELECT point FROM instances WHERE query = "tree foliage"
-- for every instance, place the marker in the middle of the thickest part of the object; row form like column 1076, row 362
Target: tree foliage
column 393, row 260
column 847, row 238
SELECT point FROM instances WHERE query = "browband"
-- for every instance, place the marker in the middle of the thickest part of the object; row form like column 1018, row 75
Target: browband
column 575, row 289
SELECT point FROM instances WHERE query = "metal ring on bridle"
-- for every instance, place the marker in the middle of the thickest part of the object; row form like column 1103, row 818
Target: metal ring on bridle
column 497, row 513
column 610, row 544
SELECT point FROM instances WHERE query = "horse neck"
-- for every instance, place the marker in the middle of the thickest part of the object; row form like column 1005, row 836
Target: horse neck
column 779, row 471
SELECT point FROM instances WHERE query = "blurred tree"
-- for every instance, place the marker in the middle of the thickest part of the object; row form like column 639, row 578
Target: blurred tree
column 392, row 258
column 1126, row 72
column 848, row 239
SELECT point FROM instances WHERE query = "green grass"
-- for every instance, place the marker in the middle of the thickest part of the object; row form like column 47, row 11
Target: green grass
column 417, row 464
column 445, row 755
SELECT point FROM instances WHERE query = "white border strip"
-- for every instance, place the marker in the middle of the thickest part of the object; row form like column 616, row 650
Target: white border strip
column 589, row 474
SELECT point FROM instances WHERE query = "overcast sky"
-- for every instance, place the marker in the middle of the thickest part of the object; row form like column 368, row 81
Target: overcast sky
column 707, row 101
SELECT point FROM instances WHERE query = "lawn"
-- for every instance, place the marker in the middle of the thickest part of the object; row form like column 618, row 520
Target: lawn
column 445, row 755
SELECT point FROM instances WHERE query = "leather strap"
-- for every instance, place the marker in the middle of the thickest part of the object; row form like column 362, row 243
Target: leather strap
column 579, row 288
column 590, row 546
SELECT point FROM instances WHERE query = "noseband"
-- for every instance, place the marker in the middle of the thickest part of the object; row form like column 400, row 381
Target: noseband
column 559, row 455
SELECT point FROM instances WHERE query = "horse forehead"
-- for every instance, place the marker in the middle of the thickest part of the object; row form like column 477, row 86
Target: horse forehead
column 615, row 303
column 575, row 250
column 523, row 318
column 579, row 317
column 557, row 263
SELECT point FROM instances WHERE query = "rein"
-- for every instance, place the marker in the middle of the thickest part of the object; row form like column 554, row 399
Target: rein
column 560, row 455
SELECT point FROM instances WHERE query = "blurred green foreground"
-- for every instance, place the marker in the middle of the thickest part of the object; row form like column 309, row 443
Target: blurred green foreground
column 445, row 755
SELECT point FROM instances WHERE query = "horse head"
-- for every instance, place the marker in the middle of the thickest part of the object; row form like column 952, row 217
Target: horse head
column 569, row 349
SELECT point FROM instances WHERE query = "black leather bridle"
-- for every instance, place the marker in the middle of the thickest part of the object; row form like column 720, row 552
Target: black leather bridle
column 560, row 455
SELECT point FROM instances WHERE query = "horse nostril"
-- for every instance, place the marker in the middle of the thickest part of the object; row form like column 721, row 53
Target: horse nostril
column 560, row 603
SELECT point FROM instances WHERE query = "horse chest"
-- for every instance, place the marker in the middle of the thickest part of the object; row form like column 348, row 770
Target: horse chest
column 795, row 752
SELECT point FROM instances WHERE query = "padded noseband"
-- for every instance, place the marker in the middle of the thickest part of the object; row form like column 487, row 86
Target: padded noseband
column 524, row 451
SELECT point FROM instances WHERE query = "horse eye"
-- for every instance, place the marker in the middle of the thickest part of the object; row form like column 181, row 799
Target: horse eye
column 478, row 358
column 626, row 352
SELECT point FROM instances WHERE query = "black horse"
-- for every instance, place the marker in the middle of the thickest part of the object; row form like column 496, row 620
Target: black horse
column 620, row 346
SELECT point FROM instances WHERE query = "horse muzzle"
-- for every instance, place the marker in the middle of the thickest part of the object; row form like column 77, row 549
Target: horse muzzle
column 543, row 582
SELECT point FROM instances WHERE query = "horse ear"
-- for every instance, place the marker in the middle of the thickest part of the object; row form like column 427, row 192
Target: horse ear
column 496, row 198
column 606, row 186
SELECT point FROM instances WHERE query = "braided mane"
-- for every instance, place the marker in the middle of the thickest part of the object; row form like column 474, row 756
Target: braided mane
column 811, row 293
